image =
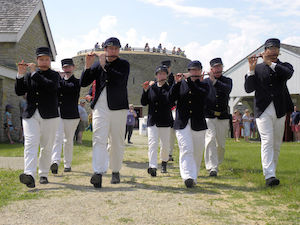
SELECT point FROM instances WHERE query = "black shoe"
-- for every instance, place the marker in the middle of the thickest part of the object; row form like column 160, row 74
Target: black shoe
column 67, row 170
column 44, row 180
column 272, row 181
column 27, row 179
column 213, row 173
column 96, row 180
column 129, row 142
column 189, row 183
column 152, row 171
column 171, row 158
column 54, row 168
column 163, row 167
column 115, row 178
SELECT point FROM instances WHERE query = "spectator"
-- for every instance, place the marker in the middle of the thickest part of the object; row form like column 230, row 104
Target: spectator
column 295, row 124
column 126, row 48
column 153, row 49
column 174, row 50
column 131, row 115
column 147, row 48
column 159, row 48
column 164, row 50
column 83, row 121
column 102, row 45
column 97, row 46
column 22, row 105
column 8, row 126
column 252, row 126
column 236, row 119
column 90, row 121
column 246, row 124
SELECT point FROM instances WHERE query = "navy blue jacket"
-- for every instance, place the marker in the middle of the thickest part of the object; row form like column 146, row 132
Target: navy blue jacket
column 68, row 98
column 191, row 98
column 42, row 92
column 270, row 86
column 115, row 81
column 159, row 110
column 218, row 98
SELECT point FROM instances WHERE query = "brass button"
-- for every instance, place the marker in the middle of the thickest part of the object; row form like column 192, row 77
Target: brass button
column 61, row 94
column 190, row 102
column 191, row 111
column 37, row 93
column 106, row 81
column 217, row 96
column 155, row 111
column 60, row 102
column 36, row 103
column 217, row 106
column 190, row 92
column 156, row 103
column 271, row 85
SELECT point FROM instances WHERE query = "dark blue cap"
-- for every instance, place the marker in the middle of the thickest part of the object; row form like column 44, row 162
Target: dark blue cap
column 67, row 62
column 161, row 69
column 112, row 42
column 8, row 106
column 195, row 65
column 43, row 51
column 215, row 61
column 272, row 42
column 166, row 63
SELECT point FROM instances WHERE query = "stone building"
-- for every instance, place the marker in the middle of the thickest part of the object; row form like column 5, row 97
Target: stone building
column 23, row 28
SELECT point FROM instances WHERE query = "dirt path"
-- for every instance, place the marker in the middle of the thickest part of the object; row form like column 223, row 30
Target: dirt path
column 138, row 199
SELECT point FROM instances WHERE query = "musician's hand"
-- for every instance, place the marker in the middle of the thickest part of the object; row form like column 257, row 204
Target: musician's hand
column 212, row 76
column 22, row 68
column 89, row 60
column 102, row 59
column 32, row 67
column 178, row 77
column 62, row 74
column 145, row 85
column 267, row 59
column 151, row 82
column 252, row 60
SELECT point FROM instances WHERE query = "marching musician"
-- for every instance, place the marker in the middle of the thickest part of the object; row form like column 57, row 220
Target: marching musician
column 69, row 117
column 190, row 125
column 160, row 120
column 217, row 116
column 110, row 106
column 40, row 118
column 272, row 102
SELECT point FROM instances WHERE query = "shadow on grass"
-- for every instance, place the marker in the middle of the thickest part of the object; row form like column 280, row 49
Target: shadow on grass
column 136, row 165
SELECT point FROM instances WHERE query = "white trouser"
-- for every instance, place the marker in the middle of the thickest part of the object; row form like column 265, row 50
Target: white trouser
column 271, row 131
column 154, row 135
column 108, row 124
column 64, row 137
column 172, row 134
column 215, row 138
column 38, row 132
column 191, row 147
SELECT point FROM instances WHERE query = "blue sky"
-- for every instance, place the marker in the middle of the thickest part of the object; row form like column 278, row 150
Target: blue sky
column 204, row 29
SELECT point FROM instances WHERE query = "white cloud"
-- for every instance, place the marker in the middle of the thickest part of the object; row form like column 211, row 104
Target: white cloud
column 107, row 23
column 294, row 40
column 193, row 11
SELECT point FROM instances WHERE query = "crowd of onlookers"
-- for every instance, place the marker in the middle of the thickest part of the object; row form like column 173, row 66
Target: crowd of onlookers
column 244, row 125
column 147, row 48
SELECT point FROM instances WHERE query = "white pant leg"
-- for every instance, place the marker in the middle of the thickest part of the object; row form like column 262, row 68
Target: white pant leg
column 266, row 124
column 70, row 126
column 222, row 127
column 278, row 137
column 100, row 134
column 58, row 143
column 48, row 131
column 211, row 154
column 172, row 134
column 199, row 146
column 31, row 129
column 187, row 162
column 164, row 136
column 152, row 146
column 116, row 135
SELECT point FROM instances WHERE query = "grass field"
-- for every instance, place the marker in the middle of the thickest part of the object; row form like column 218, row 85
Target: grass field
column 240, row 183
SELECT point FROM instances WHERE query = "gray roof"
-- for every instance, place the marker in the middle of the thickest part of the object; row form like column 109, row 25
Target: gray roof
column 14, row 14
column 294, row 49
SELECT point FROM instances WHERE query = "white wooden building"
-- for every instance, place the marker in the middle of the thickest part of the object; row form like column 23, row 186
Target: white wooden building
column 237, row 72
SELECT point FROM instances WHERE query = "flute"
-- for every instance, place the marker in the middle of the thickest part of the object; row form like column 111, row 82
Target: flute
column 107, row 56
